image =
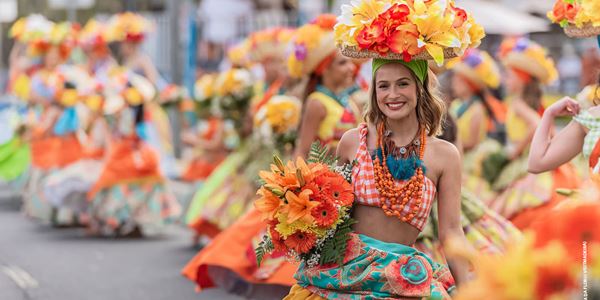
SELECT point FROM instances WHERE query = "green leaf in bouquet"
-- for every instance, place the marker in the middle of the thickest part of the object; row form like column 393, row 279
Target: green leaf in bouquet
column 334, row 248
column 320, row 154
column 264, row 247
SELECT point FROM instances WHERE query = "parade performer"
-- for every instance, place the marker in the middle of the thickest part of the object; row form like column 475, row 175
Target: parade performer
column 130, row 197
column 130, row 30
column 528, row 67
column 473, row 75
column 315, row 47
column 53, row 92
column 68, row 187
column 229, row 193
column 397, row 171
column 548, row 150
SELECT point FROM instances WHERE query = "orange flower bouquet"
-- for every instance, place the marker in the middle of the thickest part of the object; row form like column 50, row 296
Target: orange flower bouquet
column 307, row 208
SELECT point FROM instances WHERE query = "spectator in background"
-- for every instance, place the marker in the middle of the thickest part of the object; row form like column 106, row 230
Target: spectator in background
column 569, row 69
column 210, row 56
column 590, row 65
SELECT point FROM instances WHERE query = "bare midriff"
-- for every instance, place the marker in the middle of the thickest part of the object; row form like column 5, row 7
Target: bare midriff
column 373, row 222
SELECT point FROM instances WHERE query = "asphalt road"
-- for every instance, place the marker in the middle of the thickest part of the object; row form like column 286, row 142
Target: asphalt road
column 39, row 262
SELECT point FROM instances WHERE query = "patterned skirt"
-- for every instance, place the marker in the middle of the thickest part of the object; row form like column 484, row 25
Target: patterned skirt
column 375, row 270
column 124, row 208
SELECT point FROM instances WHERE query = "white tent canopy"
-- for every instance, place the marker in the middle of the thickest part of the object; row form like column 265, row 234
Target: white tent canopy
column 497, row 18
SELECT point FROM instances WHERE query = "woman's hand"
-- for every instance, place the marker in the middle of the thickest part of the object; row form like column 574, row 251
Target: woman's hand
column 564, row 107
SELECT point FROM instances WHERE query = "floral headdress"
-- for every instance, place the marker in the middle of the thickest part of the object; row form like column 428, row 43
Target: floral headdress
column 238, row 54
column 579, row 18
column 527, row 56
column 270, row 42
column 93, row 35
column 40, row 33
column 311, row 44
column 129, row 27
column 406, row 30
column 478, row 67
column 30, row 27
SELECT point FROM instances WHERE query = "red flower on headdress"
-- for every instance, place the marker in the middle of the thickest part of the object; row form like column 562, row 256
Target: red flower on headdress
column 404, row 40
column 370, row 35
column 460, row 16
column 563, row 10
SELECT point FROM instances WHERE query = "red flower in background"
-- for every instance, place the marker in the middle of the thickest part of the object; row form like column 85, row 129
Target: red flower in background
column 326, row 21
column 553, row 279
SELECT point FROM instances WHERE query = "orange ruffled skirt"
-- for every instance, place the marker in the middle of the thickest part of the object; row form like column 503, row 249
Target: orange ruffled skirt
column 232, row 250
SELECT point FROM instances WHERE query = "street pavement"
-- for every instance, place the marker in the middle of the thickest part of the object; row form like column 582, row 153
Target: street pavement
column 38, row 262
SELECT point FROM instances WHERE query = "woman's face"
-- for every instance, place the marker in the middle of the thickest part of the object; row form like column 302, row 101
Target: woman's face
column 52, row 58
column 395, row 91
column 128, row 48
column 460, row 87
column 514, row 84
column 340, row 71
column 273, row 67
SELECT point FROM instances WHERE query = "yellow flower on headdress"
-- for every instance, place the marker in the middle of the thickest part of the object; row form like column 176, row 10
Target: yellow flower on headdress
column 355, row 16
column 591, row 8
column 435, row 29
column 204, row 88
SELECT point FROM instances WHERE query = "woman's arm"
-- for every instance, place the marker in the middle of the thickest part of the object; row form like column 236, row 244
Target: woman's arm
column 347, row 147
column 532, row 120
column 449, row 197
column 314, row 114
column 549, row 152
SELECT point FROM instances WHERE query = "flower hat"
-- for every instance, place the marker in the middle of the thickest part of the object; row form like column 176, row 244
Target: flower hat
column 93, row 35
column 238, row 54
column 406, row 29
column 30, row 27
column 42, row 34
column 310, row 45
column 128, row 27
column 526, row 55
column 268, row 43
column 579, row 18
column 478, row 67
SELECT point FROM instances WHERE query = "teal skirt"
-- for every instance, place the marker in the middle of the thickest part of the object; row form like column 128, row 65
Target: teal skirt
column 374, row 269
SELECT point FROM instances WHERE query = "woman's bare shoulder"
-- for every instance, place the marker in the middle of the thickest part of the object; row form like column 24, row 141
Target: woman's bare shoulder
column 348, row 145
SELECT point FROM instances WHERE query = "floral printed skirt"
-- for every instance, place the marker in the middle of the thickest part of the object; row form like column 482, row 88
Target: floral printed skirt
column 375, row 270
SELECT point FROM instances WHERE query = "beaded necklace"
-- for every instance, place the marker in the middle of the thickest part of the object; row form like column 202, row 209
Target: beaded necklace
column 395, row 198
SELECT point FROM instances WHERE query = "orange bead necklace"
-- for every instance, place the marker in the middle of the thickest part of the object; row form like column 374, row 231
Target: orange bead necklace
column 395, row 198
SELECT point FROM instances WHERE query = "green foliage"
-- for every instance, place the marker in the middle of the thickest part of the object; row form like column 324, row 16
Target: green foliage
column 334, row 248
column 265, row 246
column 321, row 154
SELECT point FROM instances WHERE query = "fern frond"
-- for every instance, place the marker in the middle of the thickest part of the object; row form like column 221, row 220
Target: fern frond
column 321, row 154
column 264, row 247
column 334, row 248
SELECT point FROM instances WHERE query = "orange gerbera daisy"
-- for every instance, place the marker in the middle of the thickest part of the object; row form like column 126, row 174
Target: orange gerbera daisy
column 301, row 242
column 339, row 191
column 268, row 204
column 325, row 214
column 299, row 206
column 554, row 279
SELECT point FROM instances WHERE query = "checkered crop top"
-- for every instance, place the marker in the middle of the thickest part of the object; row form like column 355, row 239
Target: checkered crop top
column 363, row 180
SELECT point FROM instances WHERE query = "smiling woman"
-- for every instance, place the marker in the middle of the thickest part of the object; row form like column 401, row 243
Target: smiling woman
column 399, row 166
